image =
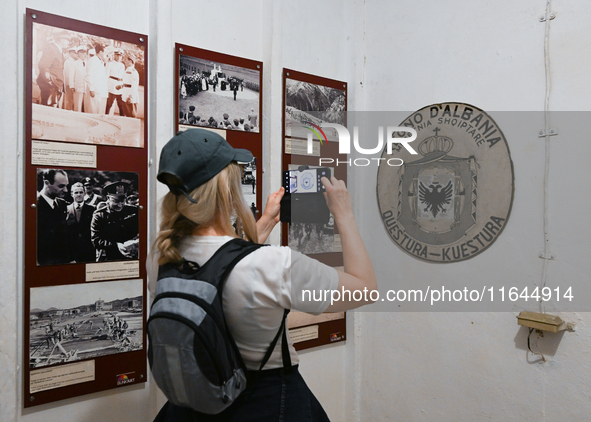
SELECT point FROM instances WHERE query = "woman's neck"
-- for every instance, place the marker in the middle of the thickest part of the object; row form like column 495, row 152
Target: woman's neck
column 209, row 231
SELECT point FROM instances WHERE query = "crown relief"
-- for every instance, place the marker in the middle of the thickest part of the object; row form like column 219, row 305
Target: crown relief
column 435, row 143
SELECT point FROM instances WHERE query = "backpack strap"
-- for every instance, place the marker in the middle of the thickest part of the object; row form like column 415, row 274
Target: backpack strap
column 217, row 269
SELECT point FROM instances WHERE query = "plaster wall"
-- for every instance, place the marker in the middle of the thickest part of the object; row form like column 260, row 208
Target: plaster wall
column 459, row 366
column 399, row 55
column 276, row 33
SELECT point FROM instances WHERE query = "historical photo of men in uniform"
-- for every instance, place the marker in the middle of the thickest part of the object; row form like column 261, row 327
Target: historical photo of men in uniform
column 86, row 216
column 218, row 95
column 114, row 230
column 308, row 104
column 80, row 321
column 86, row 88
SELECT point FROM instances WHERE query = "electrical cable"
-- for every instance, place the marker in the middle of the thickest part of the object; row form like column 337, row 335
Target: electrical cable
column 529, row 346
column 546, row 256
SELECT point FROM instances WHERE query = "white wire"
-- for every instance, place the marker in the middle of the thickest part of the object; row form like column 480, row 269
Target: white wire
column 546, row 256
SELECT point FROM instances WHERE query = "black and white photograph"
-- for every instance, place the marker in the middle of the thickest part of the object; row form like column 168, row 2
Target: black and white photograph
column 307, row 103
column 312, row 238
column 86, row 216
column 87, row 88
column 218, row 95
column 82, row 321
column 249, row 185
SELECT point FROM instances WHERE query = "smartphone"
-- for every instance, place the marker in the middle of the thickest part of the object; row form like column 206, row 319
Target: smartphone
column 305, row 181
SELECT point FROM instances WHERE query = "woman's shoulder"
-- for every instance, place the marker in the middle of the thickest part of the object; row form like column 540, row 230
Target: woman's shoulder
column 271, row 254
column 285, row 258
column 269, row 262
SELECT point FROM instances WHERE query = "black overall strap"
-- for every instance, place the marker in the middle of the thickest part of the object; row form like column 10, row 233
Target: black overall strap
column 284, row 351
column 240, row 248
column 284, row 346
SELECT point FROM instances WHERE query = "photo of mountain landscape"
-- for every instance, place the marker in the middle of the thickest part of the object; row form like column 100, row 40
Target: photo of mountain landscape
column 310, row 103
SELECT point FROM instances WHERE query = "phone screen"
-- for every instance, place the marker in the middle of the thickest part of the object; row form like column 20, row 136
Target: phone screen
column 305, row 181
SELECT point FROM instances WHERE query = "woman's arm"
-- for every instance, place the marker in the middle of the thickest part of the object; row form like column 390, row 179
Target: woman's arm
column 270, row 215
column 359, row 273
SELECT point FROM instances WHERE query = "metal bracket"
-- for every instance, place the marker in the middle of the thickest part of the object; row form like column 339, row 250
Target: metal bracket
column 551, row 132
column 543, row 17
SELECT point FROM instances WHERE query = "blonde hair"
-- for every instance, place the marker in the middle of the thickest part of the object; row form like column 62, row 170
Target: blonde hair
column 218, row 200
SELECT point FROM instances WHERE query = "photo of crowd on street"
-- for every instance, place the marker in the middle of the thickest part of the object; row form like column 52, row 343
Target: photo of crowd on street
column 86, row 88
column 81, row 321
column 86, row 216
column 306, row 102
column 218, row 95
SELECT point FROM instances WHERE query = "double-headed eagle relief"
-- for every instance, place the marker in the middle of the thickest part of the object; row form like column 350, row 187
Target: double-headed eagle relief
column 451, row 200
column 435, row 197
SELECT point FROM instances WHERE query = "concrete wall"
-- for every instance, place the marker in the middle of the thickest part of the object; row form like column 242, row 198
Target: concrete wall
column 395, row 55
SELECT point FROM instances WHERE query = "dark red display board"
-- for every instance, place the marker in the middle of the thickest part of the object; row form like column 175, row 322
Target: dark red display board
column 223, row 89
column 307, row 98
column 84, row 321
column 308, row 87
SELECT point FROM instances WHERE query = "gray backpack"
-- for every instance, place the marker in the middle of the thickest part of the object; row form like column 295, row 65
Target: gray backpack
column 192, row 355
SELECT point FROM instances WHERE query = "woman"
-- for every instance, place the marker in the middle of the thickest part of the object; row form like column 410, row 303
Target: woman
column 205, row 209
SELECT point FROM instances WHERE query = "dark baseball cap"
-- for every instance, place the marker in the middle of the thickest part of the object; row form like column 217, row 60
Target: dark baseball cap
column 193, row 157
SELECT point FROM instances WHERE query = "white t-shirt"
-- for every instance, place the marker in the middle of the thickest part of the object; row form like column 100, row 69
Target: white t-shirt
column 257, row 291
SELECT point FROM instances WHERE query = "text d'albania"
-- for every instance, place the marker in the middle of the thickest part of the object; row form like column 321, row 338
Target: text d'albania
column 452, row 200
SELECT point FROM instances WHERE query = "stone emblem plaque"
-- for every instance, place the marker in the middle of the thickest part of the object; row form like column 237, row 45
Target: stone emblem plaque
column 451, row 200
